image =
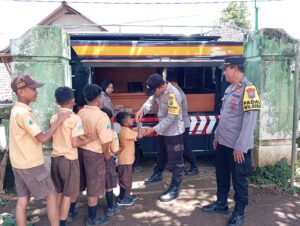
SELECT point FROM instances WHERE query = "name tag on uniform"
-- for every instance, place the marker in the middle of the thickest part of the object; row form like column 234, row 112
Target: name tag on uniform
column 173, row 107
column 251, row 99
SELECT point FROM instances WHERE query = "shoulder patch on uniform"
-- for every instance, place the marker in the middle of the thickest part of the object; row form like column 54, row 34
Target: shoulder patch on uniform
column 251, row 99
column 30, row 121
column 173, row 107
column 79, row 126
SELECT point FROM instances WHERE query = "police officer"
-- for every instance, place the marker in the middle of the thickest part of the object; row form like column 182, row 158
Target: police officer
column 234, row 140
column 170, row 131
column 188, row 154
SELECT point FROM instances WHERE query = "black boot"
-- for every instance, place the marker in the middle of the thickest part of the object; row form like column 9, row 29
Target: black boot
column 171, row 193
column 216, row 207
column 192, row 171
column 155, row 177
column 238, row 215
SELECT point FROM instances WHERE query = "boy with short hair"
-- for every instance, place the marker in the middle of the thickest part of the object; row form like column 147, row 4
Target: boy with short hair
column 111, row 174
column 94, row 154
column 127, row 137
column 65, row 165
column 26, row 154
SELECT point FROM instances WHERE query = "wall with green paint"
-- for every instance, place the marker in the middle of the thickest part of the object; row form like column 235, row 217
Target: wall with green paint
column 270, row 56
column 43, row 53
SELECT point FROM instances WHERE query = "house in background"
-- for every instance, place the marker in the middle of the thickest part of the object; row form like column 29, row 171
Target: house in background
column 228, row 33
column 64, row 16
column 71, row 20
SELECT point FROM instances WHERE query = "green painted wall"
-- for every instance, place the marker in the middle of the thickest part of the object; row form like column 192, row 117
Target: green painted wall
column 270, row 56
column 43, row 53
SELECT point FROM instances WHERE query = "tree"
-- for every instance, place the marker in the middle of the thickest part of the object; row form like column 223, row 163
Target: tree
column 236, row 14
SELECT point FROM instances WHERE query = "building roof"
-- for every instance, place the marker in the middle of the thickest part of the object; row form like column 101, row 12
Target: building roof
column 228, row 33
column 71, row 20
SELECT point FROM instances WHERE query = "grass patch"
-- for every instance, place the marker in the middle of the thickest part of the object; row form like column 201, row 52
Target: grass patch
column 278, row 175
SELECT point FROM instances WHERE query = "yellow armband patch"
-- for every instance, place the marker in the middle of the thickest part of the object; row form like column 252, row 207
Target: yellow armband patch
column 173, row 107
column 251, row 99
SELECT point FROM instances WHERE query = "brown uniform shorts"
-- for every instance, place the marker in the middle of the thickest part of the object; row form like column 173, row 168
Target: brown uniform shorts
column 111, row 180
column 125, row 177
column 93, row 172
column 35, row 181
column 65, row 176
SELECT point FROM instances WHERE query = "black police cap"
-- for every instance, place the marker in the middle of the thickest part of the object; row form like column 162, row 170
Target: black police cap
column 232, row 61
column 154, row 81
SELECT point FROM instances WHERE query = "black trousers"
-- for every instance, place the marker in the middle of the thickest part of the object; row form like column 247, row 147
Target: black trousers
column 188, row 154
column 170, row 151
column 226, row 169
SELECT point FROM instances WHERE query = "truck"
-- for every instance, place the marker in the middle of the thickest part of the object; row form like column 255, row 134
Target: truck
column 128, row 60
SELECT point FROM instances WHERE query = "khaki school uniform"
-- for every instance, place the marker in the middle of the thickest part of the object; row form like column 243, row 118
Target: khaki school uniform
column 126, row 158
column 26, row 154
column 92, row 163
column 65, row 165
column 111, row 180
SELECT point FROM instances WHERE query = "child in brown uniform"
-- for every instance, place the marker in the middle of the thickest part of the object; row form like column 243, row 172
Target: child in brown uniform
column 93, row 155
column 111, row 180
column 65, row 165
column 26, row 154
column 127, row 137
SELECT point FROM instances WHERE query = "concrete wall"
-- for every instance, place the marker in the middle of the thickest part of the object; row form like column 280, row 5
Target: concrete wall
column 270, row 58
column 43, row 53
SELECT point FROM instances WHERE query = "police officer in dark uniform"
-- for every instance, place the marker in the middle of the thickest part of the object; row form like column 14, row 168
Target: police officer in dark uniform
column 234, row 140
column 170, row 131
column 188, row 154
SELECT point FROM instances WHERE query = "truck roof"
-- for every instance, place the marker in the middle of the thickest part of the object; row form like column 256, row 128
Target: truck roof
column 143, row 37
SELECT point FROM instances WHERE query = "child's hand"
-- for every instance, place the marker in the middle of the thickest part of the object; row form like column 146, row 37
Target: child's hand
column 148, row 131
column 62, row 116
column 92, row 137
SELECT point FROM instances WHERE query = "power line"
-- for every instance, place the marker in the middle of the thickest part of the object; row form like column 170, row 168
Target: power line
column 143, row 3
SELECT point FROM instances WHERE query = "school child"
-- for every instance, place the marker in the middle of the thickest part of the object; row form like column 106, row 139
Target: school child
column 127, row 136
column 65, row 165
column 94, row 154
column 111, row 180
column 26, row 154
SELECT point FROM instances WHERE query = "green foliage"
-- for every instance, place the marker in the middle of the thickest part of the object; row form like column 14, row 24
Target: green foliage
column 278, row 174
column 236, row 14
column 11, row 221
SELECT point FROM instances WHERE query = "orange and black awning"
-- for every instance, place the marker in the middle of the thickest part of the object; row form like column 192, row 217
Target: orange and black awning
column 162, row 50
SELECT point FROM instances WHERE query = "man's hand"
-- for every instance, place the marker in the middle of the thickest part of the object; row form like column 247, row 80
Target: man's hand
column 148, row 131
column 215, row 144
column 238, row 156
column 139, row 115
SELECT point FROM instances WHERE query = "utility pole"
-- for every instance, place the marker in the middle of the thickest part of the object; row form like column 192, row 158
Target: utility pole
column 295, row 119
column 256, row 16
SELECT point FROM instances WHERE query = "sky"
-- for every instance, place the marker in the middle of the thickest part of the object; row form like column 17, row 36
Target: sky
column 18, row 16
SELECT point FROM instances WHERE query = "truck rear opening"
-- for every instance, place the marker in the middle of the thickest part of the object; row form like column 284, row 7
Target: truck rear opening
column 129, row 62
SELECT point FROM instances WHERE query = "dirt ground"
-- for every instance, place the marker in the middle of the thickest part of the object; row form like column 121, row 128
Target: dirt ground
column 267, row 207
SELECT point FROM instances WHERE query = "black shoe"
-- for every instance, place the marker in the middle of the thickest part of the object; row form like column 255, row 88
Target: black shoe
column 72, row 216
column 109, row 212
column 236, row 219
column 96, row 221
column 155, row 178
column 171, row 193
column 216, row 207
column 192, row 171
